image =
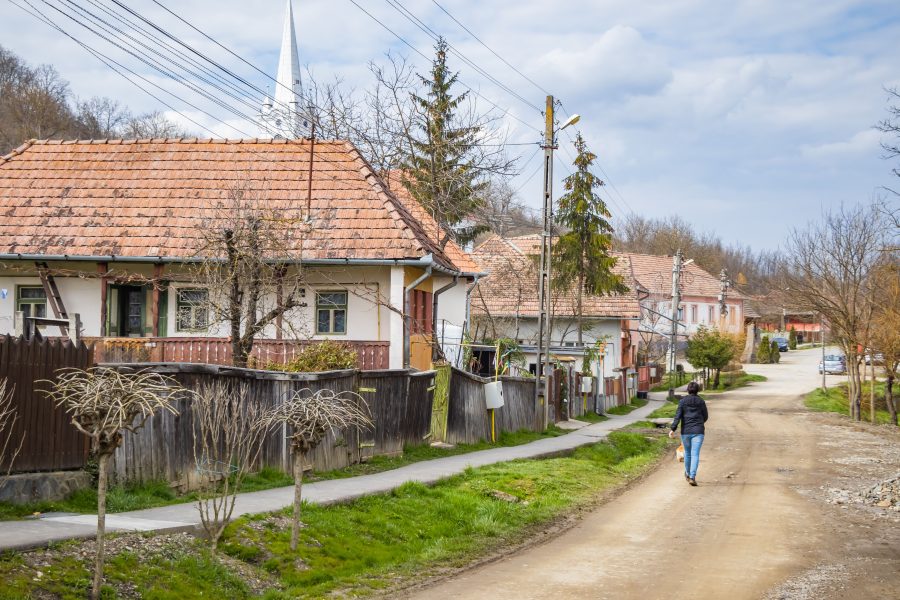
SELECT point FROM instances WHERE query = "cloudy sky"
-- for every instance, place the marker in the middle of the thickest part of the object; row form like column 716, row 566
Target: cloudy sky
column 745, row 117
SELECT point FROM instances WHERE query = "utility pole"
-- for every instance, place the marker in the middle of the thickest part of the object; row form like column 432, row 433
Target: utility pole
column 544, row 333
column 673, row 336
column 723, row 295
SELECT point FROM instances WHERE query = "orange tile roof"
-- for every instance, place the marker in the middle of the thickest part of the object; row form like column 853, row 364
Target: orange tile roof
column 459, row 256
column 655, row 274
column 511, row 287
column 148, row 198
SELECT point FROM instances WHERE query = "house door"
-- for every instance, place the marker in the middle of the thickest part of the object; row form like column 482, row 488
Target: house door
column 127, row 306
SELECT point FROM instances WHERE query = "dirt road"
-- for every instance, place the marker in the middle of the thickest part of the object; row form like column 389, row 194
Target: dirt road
column 758, row 526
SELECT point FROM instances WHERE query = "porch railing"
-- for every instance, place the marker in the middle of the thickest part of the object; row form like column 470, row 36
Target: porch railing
column 217, row 351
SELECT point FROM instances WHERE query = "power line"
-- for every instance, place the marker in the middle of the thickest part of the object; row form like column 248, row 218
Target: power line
column 405, row 12
column 417, row 51
column 491, row 50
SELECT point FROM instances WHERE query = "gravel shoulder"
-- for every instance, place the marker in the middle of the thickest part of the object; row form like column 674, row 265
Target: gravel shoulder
column 791, row 505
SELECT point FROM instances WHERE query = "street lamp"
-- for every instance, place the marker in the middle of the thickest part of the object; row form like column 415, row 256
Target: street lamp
column 544, row 333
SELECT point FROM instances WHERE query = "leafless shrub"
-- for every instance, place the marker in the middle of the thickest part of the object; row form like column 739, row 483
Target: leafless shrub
column 8, row 417
column 228, row 439
column 104, row 403
column 309, row 416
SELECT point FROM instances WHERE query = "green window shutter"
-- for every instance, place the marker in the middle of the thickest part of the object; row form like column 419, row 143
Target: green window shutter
column 164, row 311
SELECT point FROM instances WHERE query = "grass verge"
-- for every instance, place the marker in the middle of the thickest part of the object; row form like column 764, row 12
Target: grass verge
column 624, row 410
column 351, row 549
column 138, row 496
column 592, row 417
column 727, row 383
column 835, row 400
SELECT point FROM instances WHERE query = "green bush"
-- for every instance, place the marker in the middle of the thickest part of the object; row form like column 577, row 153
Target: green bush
column 762, row 351
column 792, row 338
column 774, row 352
column 323, row 356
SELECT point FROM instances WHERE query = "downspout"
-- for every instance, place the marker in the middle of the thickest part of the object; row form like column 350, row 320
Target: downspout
column 406, row 316
column 434, row 314
column 469, row 305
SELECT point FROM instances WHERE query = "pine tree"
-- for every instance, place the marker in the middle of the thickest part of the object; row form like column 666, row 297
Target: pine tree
column 792, row 338
column 439, row 169
column 581, row 255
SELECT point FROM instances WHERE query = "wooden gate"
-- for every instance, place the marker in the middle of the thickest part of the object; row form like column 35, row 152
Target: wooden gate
column 50, row 442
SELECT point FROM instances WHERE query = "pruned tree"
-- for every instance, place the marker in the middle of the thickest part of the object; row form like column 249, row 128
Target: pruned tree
column 104, row 403
column 249, row 265
column 581, row 255
column 827, row 266
column 9, row 449
column 308, row 417
column 228, row 433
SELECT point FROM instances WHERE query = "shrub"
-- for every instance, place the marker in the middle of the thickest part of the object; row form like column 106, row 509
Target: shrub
column 322, row 356
column 792, row 338
column 774, row 352
column 762, row 351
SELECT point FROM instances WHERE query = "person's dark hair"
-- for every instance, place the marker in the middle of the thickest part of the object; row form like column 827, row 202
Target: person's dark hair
column 693, row 388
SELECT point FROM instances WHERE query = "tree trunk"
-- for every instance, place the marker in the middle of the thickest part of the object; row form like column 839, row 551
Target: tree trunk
column 889, row 397
column 579, row 299
column 298, row 492
column 102, row 479
column 716, row 382
column 872, row 386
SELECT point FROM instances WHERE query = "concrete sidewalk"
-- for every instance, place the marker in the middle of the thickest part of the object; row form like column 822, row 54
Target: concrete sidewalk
column 32, row 533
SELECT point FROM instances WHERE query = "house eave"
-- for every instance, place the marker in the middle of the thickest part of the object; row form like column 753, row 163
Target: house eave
column 424, row 262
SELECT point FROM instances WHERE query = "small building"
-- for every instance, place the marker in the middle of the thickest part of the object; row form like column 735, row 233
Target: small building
column 112, row 230
column 505, row 304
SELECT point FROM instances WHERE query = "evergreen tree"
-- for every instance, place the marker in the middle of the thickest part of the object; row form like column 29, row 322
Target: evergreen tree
column 440, row 169
column 774, row 352
column 792, row 338
column 762, row 351
column 581, row 255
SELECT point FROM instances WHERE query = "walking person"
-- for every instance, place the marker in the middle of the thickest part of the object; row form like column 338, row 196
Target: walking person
column 692, row 414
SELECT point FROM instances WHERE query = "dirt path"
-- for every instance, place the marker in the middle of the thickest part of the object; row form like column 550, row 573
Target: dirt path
column 758, row 526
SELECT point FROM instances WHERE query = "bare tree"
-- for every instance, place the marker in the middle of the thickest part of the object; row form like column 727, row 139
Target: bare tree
column 9, row 450
column 885, row 330
column 309, row 416
column 250, row 265
column 827, row 267
column 228, row 439
column 101, row 118
column 891, row 126
column 104, row 403
column 152, row 125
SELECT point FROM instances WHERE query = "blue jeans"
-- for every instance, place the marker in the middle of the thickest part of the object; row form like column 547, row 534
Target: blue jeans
column 692, row 443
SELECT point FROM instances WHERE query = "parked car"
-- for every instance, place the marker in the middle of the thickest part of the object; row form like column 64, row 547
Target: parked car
column 879, row 358
column 834, row 364
column 783, row 344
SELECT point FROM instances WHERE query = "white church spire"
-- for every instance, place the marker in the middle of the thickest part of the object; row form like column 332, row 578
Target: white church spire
column 288, row 89
column 283, row 117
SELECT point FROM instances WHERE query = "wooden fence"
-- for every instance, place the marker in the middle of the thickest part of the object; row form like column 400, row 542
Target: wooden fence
column 50, row 441
column 217, row 351
column 398, row 402
column 468, row 419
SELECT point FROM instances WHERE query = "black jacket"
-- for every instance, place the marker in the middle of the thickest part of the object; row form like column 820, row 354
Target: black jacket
column 692, row 414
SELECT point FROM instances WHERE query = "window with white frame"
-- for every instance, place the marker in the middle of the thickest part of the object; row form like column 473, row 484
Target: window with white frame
column 192, row 310
column 712, row 314
column 693, row 313
column 331, row 313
